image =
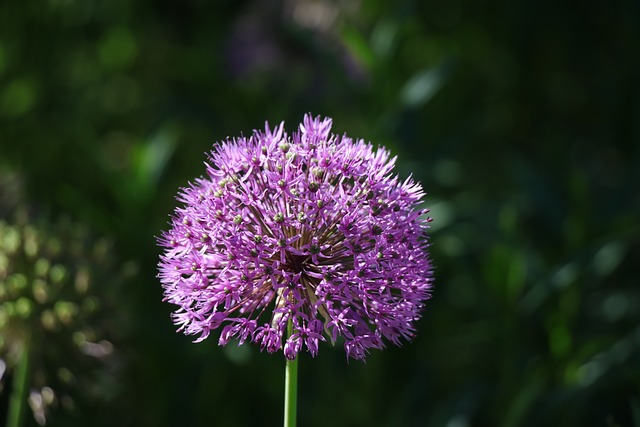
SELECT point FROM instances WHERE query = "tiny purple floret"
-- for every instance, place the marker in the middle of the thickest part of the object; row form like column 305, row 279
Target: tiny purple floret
column 311, row 230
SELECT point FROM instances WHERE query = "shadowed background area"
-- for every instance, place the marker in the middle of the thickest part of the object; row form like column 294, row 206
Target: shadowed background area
column 522, row 121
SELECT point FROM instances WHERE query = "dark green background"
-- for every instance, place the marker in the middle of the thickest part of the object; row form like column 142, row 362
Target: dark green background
column 521, row 119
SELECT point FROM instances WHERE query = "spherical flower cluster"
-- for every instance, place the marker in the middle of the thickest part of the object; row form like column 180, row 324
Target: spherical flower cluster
column 311, row 231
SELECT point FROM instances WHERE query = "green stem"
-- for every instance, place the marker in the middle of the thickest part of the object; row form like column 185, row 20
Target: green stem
column 19, row 394
column 290, row 389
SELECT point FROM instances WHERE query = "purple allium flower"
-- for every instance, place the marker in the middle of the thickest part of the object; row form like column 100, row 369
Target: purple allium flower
column 310, row 229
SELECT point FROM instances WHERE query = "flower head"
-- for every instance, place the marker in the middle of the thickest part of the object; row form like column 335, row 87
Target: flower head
column 310, row 230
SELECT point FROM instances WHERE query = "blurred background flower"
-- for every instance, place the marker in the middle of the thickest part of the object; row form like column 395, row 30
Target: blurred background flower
column 55, row 321
column 520, row 118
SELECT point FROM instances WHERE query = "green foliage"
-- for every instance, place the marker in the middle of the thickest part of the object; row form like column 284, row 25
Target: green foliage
column 521, row 119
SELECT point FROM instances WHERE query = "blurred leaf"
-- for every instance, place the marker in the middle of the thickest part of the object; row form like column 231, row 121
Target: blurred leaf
column 608, row 258
column 117, row 49
column 383, row 38
column 18, row 97
column 3, row 58
column 420, row 88
column 358, row 46
column 151, row 158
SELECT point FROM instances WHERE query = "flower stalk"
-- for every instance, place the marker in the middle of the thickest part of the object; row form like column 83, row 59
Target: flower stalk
column 20, row 392
column 290, row 389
